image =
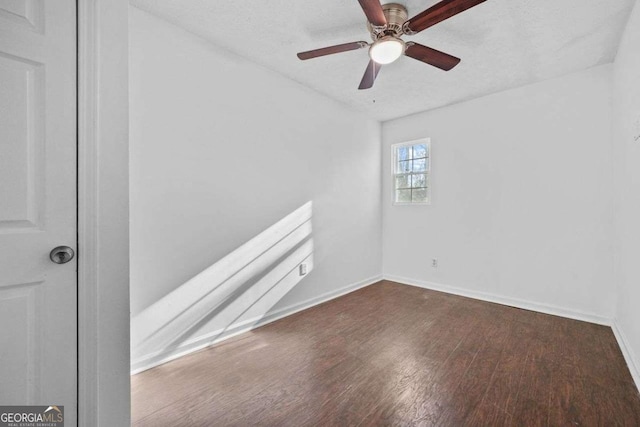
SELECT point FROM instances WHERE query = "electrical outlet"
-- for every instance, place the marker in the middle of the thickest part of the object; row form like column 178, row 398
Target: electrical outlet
column 303, row 269
column 434, row 262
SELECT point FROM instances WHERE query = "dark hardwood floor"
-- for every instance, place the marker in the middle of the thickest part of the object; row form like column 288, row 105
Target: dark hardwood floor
column 391, row 354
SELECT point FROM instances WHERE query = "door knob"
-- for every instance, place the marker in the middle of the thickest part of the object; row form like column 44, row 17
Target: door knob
column 61, row 254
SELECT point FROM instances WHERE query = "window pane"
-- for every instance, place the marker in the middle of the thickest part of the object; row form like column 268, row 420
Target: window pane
column 403, row 196
column 419, row 180
column 411, row 173
column 403, row 181
column 419, row 195
column 404, row 153
column 420, row 165
column 404, row 166
column 419, row 150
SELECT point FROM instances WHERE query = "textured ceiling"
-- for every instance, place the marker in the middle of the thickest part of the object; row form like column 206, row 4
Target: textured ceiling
column 502, row 43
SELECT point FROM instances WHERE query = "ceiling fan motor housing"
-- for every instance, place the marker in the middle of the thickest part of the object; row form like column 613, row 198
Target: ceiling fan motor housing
column 396, row 15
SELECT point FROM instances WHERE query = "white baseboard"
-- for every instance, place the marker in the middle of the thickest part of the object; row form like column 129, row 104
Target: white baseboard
column 151, row 360
column 627, row 352
column 633, row 363
column 512, row 302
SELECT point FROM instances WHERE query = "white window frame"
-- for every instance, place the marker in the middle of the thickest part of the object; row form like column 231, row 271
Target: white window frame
column 394, row 150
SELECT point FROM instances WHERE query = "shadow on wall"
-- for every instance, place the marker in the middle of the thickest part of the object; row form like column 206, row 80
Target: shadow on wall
column 235, row 292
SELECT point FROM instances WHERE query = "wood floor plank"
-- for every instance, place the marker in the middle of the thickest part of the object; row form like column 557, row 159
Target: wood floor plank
column 473, row 388
column 502, row 388
column 392, row 354
column 532, row 404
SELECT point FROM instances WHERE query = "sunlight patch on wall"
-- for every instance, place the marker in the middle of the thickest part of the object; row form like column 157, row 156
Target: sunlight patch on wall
column 237, row 290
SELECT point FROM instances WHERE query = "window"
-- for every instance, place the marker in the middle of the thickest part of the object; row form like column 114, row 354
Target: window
column 411, row 168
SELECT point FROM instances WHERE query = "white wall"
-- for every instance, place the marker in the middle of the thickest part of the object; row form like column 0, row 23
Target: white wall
column 522, row 199
column 626, row 146
column 222, row 150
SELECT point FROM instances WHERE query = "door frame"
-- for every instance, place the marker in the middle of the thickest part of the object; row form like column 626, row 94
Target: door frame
column 103, row 213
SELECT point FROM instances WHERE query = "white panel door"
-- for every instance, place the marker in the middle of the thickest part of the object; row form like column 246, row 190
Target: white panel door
column 38, row 309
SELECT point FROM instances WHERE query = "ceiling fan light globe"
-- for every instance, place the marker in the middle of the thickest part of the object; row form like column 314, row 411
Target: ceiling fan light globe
column 386, row 50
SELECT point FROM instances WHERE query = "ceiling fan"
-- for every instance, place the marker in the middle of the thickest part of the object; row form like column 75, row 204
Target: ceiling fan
column 387, row 23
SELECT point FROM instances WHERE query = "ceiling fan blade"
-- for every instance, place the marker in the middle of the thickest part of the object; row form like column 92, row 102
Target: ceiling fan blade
column 373, row 10
column 431, row 56
column 438, row 13
column 370, row 75
column 331, row 50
